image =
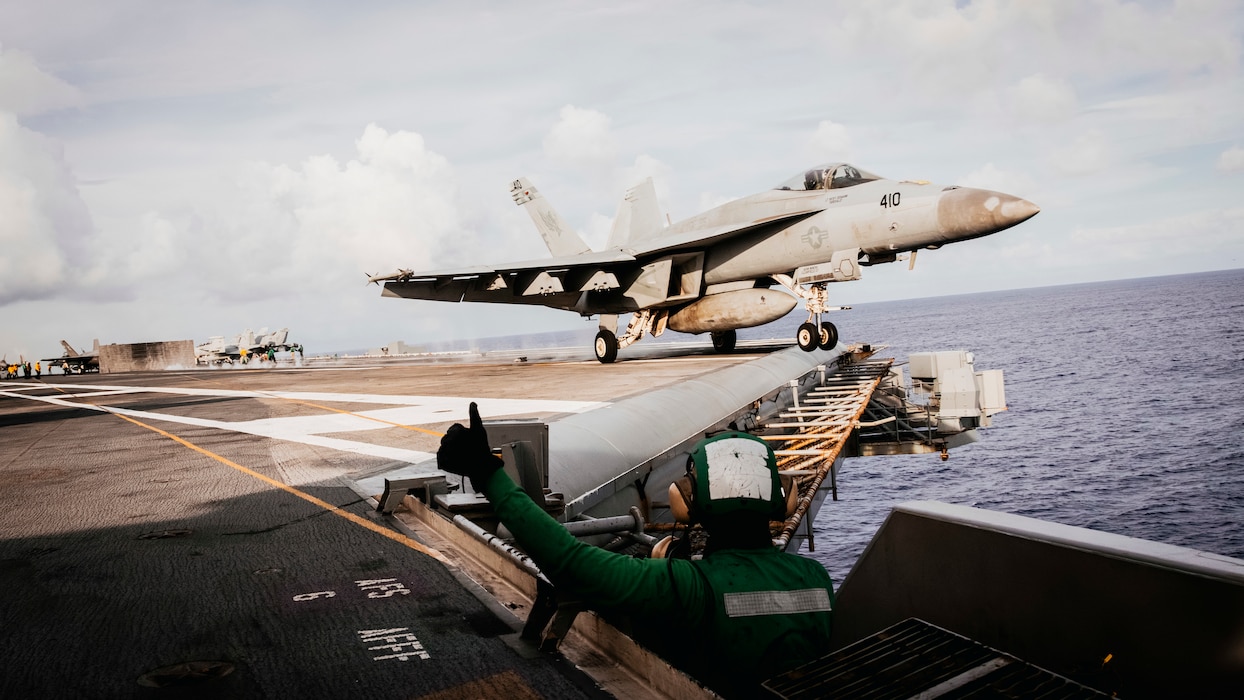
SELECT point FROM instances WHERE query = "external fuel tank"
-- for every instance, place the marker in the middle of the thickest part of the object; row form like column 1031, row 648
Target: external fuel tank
column 740, row 308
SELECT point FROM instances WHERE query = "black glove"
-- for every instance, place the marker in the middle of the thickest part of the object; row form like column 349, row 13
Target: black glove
column 465, row 451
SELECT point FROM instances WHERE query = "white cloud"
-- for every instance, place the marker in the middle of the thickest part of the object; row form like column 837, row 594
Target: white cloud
column 1041, row 98
column 45, row 228
column 152, row 250
column 722, row 102
column 1088, row 154
column 990, row 177
column 581, row 137
column 26, row 89
column 598, row 228
column 954, row 56
column 1231, row 160
column 393, row 206
column 647, row 166
column 281, row 230
column 1213, row 235
column 44, row 225
column 831, row 142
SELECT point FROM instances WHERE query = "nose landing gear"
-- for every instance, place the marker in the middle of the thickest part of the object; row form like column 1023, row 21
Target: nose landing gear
column 814, row 333
column 829, row 334
column 810, row 336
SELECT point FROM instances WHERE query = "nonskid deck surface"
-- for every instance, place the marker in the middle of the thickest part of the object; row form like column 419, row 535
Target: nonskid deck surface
column 154, row 521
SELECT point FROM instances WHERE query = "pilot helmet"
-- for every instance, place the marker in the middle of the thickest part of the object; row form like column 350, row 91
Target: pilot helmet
column 813, row 179
column 730, row 473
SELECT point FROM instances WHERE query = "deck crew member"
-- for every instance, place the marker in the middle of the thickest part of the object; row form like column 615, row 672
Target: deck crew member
column 743, row 613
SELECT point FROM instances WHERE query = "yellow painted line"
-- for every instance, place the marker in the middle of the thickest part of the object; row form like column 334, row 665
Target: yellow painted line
column 357, row 520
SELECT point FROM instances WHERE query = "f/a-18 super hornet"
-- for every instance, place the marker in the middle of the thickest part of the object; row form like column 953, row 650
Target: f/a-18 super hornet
column 76, row 361
column 218, row 351
column 721, row 270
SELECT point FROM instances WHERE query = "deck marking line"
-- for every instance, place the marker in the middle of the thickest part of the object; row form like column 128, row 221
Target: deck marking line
column 395, row 536
column 378, row 420
column 357, row 520
column 245, row 427
column 337, row 410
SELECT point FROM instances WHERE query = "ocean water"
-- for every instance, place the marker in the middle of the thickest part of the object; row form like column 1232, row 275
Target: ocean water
column 1125, row 412
column 1126, row 409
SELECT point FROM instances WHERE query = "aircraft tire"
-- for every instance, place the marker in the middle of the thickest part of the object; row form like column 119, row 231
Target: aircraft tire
column 829, row 335
column 808, row 336
column 606, row 346
column 724, row 341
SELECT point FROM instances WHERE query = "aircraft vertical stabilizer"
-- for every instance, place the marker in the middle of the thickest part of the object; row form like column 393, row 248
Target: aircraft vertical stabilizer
column 557, row 234
column 639, row 216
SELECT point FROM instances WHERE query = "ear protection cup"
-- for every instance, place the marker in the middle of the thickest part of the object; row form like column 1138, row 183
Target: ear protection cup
column 792, row 496
column 682, row 499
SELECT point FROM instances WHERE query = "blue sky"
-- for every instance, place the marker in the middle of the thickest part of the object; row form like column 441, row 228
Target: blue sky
column 181, row 170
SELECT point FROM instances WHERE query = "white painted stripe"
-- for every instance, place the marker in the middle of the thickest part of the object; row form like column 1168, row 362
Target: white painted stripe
column 12, row 385
column 488, row 406
column 430, row 411
column 114, row 392
column 54, row 401
column 310, row 430
column 269, row 431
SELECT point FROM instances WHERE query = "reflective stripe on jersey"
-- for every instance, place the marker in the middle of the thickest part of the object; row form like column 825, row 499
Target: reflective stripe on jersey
column 777, row 602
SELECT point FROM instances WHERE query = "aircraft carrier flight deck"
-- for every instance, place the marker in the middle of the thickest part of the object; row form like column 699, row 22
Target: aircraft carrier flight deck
column 196, row 532
column 284, row 532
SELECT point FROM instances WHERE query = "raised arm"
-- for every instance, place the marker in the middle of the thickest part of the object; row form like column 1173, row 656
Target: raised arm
column 604, row 579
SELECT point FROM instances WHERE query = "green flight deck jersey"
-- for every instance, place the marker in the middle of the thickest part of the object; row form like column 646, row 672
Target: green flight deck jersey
column 731, row 619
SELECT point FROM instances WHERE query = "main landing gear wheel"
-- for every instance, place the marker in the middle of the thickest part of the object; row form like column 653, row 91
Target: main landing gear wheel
column 829, row 335
column 724, row 341
column 606, row 346
column 808, row 336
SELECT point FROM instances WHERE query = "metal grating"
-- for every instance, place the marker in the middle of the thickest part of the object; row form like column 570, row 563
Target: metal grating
column 915, row 659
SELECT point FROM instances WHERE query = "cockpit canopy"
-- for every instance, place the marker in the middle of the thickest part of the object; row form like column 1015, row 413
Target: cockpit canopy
column 829, row 176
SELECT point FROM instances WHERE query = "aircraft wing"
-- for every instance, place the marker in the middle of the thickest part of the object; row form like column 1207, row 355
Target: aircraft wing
column 704, row 237
column 541, row 282
column 560, row 281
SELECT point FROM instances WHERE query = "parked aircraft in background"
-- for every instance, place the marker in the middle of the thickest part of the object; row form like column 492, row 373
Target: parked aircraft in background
column 74, row 361
column 9, row 370
column 218, row 351
column 719, row 271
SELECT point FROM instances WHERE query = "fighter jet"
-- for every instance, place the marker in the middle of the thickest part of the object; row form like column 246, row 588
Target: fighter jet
column 218, row 351
column 75, row 361
column 742, row 264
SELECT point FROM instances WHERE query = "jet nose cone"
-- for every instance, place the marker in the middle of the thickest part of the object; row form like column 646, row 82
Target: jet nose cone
column 965, row 212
